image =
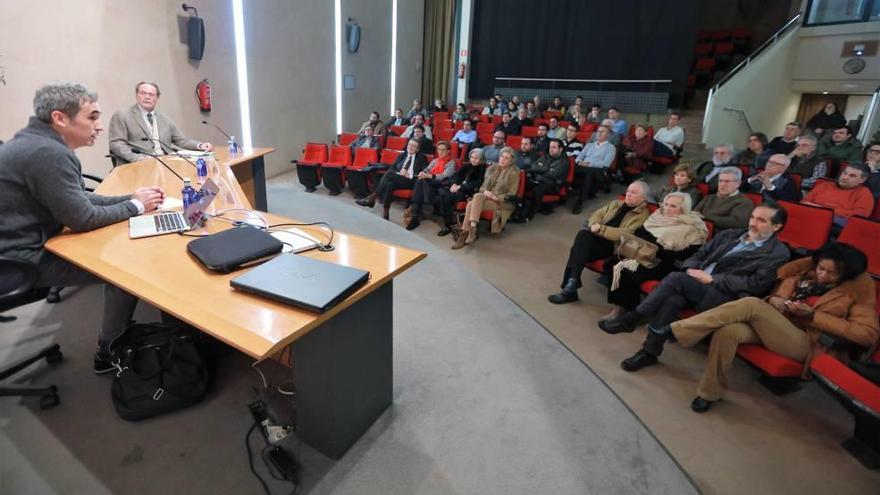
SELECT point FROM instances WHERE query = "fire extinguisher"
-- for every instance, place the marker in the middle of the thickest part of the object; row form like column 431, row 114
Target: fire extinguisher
column 461, row 69
column 203, row 94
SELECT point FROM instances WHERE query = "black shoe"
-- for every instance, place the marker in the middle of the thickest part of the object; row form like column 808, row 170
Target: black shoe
column 444, row 231
column 701, row 405
column 577, row 208
column 568, row 294
column 638, row 361
column 336, row 192
column 518, row 219
column 413, row 223
column 102, row 362
column 656, row 337
column 369, row 203
column 310, row 189
column 624, row 323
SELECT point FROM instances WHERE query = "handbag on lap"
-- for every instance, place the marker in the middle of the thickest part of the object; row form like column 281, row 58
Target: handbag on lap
column 635, row 248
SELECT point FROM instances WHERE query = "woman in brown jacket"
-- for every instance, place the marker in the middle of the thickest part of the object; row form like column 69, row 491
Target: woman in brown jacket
column 828, row 293
column 499, row 187
column 599, row 235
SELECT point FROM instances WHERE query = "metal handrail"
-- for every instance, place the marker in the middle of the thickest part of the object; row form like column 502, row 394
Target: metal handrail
column 773, row 39
column 584, row 80
column 743, row 115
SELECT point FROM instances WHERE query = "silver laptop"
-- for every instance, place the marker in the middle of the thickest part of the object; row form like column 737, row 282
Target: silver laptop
column 167, row 223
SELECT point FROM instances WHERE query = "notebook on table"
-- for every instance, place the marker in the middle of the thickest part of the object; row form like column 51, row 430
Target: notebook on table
column 303, row 282
column 168, row 223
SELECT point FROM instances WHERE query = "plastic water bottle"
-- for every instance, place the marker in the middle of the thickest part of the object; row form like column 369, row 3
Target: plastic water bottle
column 233, row 148
column 188, row 193
column 201, row 170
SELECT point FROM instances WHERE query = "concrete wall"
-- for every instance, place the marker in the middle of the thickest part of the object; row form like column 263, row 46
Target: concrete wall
column 763, row 90
column 110, row 45
column 817, row 64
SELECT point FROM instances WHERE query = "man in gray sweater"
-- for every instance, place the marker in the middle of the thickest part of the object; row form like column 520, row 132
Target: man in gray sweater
column 42, row 191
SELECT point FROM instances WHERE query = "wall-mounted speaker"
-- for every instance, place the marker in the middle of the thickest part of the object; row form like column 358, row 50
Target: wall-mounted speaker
column 195, row 37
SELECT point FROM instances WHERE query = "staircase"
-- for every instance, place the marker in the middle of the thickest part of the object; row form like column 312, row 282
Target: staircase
column 692, row 121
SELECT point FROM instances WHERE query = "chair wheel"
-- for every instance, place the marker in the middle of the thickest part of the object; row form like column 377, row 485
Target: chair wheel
column 50, row 399
column 54, row 356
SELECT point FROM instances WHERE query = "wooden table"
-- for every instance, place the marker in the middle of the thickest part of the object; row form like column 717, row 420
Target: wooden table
column 341, row 359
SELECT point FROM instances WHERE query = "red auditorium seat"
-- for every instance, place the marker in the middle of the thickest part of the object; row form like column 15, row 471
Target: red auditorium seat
column 395, row 143
column 703, row 49
column 340, row 157
column 496, row 119
column 514, row 142
column 443, row 135
column 347, row 138
column 441, row 116
column 308, row 168
column 484, row 127
column 703, row 188
column 756, row 198
column 529, row 130
column 489, row 215
column 485, row 137
column 397, row 130
column 442, row 125
column 808, row 227
column 720, row 35
column 864, row 234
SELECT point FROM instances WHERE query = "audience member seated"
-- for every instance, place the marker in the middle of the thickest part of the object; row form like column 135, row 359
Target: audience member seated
column 508, row 125
column 499, row 98
column 613, row 138
column 735, row 263
column 492, row 108
column 872, row 160
column 593, row 164
column 365, row 140
column 847, row 196
column 577, row 107
column 426, row 145
column 828, row 293
column 418, row 120
column 510, row 107
column 787, row 142
column 554, row 130
column 556, row 105
column 842, row 147
column 438, row 106
column 461, row 113
column 637, row 152
column 492, row 152
column 527, row 154
column 522, row 118
column 516, row 101
column 756, row 153
column 727, row 208
column 676, row 231
column 398, row 119
column 573, row 147
column 542, row 140
column 682, row 181
column 806, row 162
column 669, row 140
column 466, row 182
column 595, row 115
column 438, row 174
column 465, row 135
column 539, row 105
column 418, row 109
column 401, row 175
column 618, row 126
column 546, row 175
column 829, row 118
column 497, row 194
column 600, row 234
column 707, row 172
column 773, row 183
column 374, row 123
column 41, row 193
column 531, row 111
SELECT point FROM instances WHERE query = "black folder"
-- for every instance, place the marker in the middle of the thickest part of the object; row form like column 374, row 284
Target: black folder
column 234, row 248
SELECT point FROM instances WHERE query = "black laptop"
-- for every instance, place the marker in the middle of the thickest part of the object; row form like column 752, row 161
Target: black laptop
column 303, row 282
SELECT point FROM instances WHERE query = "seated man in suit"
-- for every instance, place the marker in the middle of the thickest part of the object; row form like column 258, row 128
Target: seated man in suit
column 146, row 128
column 542, row 140
column 527, row 154
column 727, row 208
column 418, row 120
column 787, row 142
column 366, row 139
column 522, row 118
column 722, row 157
column 398, row 119
column 847, row 197
column 735, row 263
column 401, row 175
column 41, row 192
column 773, row 183
column 806, row 162
column 546, row 175
column 510, row 126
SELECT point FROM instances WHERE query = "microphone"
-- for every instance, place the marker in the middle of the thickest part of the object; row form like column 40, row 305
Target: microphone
column 176, row 152
column 142, row 151
column 228, row 137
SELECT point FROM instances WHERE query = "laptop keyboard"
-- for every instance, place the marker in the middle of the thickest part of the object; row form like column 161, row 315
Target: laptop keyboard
column 169, row 222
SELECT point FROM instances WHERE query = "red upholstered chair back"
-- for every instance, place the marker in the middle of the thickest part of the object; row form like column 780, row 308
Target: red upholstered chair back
column 347, row 138
column 314, row 153
column 808, row 227
column 364, row 157
column 864, row 234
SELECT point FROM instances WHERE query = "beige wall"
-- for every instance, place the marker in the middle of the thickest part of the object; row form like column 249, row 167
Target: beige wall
column 818, row 65
column 763, row 90
column 109, row 46
column 410, row 29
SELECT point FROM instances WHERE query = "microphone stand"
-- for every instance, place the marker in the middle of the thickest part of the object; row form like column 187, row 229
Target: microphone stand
column 176, row 152
column 228, row 137
column 153, row 155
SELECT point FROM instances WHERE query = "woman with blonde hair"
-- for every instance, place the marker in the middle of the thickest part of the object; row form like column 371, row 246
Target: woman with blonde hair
column 496, row 194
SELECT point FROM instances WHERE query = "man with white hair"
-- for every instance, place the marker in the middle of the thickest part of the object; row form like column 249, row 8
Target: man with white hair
column 773, row 183
column 722, row 157
column 806, row 162
column 42, row 192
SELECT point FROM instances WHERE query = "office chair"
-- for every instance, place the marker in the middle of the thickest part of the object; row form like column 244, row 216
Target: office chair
column 54, row 294
column 17, row 280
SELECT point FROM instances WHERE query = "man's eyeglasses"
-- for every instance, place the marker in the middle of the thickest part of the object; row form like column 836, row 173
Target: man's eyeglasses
column 144, row 93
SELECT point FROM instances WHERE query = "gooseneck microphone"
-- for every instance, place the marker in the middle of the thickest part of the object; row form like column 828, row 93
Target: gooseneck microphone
column 138, row 149
column 176, row 152
column 228, row 137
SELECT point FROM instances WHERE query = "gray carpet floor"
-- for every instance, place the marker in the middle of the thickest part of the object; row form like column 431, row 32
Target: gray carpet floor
column 485, row 401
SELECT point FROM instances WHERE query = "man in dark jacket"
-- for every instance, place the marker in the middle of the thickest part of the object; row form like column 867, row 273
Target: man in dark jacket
column 42, row 191
column 773, row 183
column 806, row 162
column 722, row 157
column 401, row 175
column 735, row 263
column 527, row 155
column 547, row 175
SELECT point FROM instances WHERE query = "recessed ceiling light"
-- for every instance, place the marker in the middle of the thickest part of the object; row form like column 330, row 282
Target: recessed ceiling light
column 824, row 92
